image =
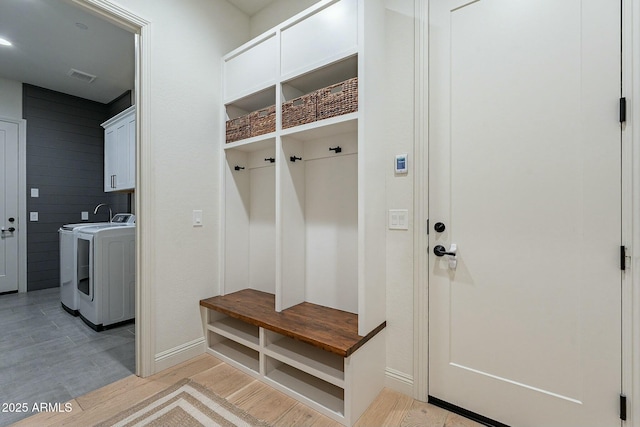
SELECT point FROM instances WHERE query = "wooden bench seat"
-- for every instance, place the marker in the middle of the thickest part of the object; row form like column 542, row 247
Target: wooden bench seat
column 332, row 330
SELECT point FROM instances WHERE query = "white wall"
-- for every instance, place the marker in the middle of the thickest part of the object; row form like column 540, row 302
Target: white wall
column 277, row 12
column 10, row 99
column 187, row 40
column 399, row 91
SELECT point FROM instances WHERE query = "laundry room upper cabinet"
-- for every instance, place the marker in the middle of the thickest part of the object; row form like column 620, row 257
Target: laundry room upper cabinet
column 120, row 151
column 303, row 166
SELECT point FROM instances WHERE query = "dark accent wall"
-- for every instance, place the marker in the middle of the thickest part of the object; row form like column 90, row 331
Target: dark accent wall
column 119, row 104
column 65, row 161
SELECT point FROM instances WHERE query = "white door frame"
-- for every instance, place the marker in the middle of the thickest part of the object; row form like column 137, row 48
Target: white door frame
column 630, row 207
column 22, row 201
column 145, row 272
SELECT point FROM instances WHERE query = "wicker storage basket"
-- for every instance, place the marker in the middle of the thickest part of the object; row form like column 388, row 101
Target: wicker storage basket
column 338, row 99
column 299, row 111
column 263, row 121
column 238, row 129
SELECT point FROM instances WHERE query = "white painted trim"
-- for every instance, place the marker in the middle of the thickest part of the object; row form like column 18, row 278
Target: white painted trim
column 631, row 209
column 22, row 204
column 421, row 209
column 145, row 242
column 399, row 381
column 179, row 354
column 22, row 200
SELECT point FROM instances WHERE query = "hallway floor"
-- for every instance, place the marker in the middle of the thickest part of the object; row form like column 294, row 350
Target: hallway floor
column 50, row 356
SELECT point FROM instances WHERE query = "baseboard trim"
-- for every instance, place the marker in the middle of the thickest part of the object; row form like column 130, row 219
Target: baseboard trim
column 179, row 354
column 398, row 381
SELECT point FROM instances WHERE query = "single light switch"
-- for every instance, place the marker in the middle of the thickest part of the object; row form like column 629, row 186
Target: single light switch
column 197, row 218
column 398, row 219
column 35, row 192
column 33, row 216
column 84, row 216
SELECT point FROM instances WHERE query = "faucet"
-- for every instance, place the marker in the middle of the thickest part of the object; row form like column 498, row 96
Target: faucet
column 95, row 211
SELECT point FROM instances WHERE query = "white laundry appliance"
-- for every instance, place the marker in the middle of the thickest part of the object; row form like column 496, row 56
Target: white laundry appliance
column 105, row 273
column 68, row 258
column 68, row 289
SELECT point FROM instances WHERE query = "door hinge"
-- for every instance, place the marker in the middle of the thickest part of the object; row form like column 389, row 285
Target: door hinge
column 623, row 258
column 623, row 407
column 623, row 110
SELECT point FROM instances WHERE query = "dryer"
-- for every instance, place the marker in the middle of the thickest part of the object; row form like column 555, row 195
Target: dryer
column 105, row 272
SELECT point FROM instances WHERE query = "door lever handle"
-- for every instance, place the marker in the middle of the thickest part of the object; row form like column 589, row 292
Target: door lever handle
column 441, row 251
column 453, row 250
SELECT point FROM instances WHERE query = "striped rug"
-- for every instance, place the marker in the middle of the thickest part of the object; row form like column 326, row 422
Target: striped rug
column 184, row 404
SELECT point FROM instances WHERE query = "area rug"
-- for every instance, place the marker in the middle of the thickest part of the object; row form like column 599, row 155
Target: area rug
column 185, row 404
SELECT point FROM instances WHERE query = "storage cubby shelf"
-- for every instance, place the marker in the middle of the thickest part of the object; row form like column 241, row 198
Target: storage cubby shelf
column 324, row 128
column 255, row 143
column 332, row 330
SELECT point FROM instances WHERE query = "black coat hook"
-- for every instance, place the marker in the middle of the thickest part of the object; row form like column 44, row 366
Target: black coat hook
column 294, row 158
column 270, row 160
column 238, row 167
column 337, row 149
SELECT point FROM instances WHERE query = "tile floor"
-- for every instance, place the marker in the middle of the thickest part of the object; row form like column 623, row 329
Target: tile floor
column 47, row 355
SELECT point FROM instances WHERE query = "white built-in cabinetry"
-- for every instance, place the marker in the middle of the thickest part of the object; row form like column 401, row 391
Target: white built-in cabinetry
column 299, row 220
column 120, row 151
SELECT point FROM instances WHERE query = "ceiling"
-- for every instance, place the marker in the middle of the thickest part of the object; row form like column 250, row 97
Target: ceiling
column 52, row 37
column 251, row 7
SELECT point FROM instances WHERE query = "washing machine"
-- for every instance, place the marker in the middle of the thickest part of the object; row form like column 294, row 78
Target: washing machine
column 68, row 258
column 105, row 274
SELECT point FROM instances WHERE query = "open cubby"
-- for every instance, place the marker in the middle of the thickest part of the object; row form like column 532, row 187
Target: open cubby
column 250, row 218
column 317, row 391
column 234, row 352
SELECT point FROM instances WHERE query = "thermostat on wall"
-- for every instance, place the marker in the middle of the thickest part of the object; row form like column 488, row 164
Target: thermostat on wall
column 401, row 163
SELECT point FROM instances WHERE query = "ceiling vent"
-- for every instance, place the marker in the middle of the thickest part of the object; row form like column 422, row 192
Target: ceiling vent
column 85, row 77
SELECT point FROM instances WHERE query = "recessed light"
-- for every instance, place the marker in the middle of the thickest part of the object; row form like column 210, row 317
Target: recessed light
column 81, row 26
column 5, row 42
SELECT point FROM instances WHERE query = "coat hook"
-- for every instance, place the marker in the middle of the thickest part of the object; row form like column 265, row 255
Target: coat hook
column 337, row 149
column 238, row 167
column 270, row 160
column 294, row 158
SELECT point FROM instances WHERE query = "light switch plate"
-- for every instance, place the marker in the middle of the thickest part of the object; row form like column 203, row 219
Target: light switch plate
column 197, row 218
column 33, row 216
column 84, row 216
column 35, row 192
column 398, row 219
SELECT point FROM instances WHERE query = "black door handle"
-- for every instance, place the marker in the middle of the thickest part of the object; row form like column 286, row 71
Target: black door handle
column 441, row 251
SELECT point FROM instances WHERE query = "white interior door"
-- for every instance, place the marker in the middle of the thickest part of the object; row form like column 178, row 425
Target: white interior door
column 8, row 206
column 524, row 150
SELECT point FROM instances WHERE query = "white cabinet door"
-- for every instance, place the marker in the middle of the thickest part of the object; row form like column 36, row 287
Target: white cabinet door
column 119, row 152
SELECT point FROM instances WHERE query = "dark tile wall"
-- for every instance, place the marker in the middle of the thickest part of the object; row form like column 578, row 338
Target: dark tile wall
column 65, row 162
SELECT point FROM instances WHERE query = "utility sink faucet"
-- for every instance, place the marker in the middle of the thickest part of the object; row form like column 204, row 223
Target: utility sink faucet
column 95, row 211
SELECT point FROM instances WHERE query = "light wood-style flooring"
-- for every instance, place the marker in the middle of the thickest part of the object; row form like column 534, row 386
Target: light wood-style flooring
column 389, row 409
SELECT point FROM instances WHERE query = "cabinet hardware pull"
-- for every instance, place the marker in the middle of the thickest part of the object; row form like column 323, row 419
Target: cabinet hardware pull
column 270, row 160
column 236, row 167
column 337, row 149
column 294, row 158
